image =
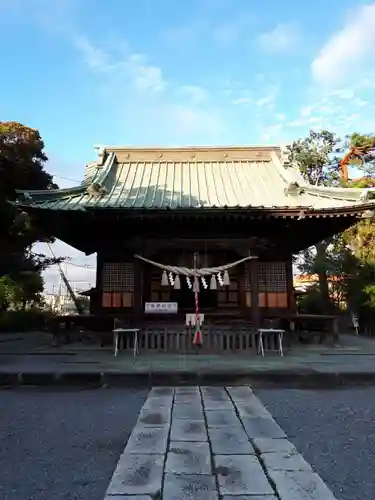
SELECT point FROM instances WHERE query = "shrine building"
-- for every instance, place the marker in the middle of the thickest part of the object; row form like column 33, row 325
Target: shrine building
column 219, row 204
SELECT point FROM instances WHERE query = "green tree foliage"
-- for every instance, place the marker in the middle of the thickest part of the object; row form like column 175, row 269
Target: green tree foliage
column 316, row 157
column 366, row 143
column 84, row 303
column 22, row 161
column 346, row 262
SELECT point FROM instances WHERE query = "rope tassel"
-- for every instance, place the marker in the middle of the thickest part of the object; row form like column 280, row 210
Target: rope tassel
column 226, row 280
column 164, row 279
column 177, row 284
column 213, row 283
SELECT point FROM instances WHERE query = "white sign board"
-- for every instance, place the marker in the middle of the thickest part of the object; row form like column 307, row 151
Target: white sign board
column 161, row 307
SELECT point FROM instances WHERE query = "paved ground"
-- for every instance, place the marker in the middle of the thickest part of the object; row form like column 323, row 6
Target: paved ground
column 187, row 443
column 355, row 355
column 196, row 443
column 335, row 432
column 63, row 445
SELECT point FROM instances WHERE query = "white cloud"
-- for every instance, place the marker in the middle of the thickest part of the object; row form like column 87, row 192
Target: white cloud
column 241, row 100
column 183, row 109
column 264, row 102
column 94, row 57
column 268, row 101
column 271, row 134
column 144, row 76
column 348, row 50
column 281, row 39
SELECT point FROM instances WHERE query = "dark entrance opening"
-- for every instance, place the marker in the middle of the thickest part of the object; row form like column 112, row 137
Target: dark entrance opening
column 186, row 300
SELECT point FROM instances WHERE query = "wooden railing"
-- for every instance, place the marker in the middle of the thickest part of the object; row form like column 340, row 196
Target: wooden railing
column 216, row 340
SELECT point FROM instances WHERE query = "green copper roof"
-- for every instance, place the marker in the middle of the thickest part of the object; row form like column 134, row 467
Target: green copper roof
column 191, row 178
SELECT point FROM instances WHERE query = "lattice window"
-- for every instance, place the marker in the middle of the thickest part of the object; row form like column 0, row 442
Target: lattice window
column 118, row 277
column 273, row 285
column 272, row 277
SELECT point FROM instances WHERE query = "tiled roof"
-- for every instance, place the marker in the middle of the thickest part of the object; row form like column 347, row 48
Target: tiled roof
column 191, row 178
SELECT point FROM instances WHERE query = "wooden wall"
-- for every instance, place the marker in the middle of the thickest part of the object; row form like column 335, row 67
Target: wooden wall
column 257, row 288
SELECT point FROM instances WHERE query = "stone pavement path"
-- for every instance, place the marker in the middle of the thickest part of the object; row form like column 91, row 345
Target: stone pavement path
column 211, row 443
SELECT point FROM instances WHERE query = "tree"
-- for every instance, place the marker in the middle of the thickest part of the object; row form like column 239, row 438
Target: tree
column 361, row 152
column 22, row 161
column 350, row 256
column 360, row 239
column 316, row 157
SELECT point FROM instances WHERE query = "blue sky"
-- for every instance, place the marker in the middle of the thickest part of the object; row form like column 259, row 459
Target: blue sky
column 169, row 72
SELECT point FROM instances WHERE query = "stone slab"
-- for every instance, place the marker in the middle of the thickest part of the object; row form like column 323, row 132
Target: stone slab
column 188, row 399
column 137, row 475
column 300, row 485
column 241, row 475
column 226, row 441
column 214, row 393
column 188, row 430
column 212, row 404
column 285, row 462
column 187, row 487
column 161, row 391
column 129, row 497
column 269, row 445
column 187, row 395
column 262, row 427
column 152, row 417
column 222, row 418
column 187, row 391
column 249, row 497
column 186, row 388
column 191, row 411
column 240, row 393
column 188, row 458
column 156, row 402
column 147, row 440
column 252, row 408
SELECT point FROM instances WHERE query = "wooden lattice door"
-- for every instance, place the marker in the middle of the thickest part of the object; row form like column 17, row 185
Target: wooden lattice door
column 118, row 279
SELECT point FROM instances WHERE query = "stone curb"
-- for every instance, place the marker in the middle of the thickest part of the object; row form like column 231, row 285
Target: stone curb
column 293, row 379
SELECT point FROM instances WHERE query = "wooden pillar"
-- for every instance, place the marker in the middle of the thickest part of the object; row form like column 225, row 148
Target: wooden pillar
column 138, row 289
column 97, row 307
column 290, row 287
column 242, row 291
column 254, row 280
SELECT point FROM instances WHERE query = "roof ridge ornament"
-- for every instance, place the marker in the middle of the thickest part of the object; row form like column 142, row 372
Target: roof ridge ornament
column 284, row 154
column 365, row 195
column 293, row 189
column 96, row 190
column 101, row 155
column 368, row 214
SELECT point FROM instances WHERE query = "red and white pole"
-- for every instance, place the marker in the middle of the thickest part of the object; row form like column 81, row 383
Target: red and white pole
column 198, row 334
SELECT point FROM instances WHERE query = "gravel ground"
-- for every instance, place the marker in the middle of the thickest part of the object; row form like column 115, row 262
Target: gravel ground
column 63, row 444
column 335, row 431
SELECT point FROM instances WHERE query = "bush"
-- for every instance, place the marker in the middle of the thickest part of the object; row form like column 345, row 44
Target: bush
column 25, row 320
column 311, row 303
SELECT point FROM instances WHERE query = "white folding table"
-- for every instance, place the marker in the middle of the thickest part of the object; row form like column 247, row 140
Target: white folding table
column 271, row 331
column 118, row 332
